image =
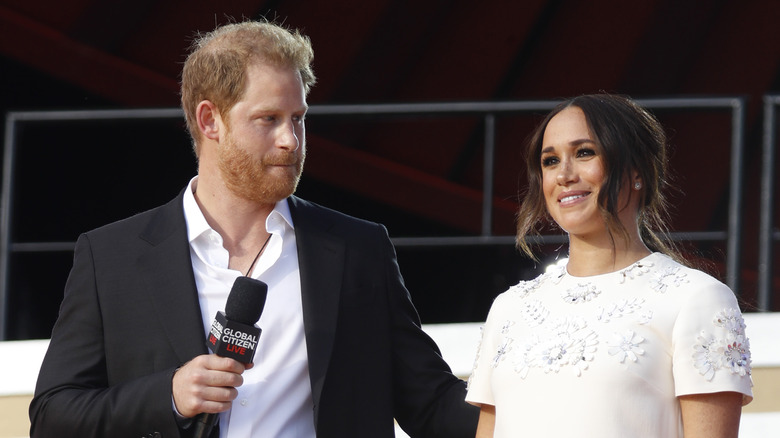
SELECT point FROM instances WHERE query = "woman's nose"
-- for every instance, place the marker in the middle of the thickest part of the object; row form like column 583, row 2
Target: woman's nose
column 566, row 173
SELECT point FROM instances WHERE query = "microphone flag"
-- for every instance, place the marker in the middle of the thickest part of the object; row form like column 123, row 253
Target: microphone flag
column 233, row 339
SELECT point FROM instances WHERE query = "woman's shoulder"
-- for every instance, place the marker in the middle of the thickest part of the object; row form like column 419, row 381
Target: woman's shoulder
column 666, row 264
column 524, row 288
column 687, row 281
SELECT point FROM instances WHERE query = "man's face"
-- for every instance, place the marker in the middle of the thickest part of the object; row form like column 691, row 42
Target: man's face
column 261, row 155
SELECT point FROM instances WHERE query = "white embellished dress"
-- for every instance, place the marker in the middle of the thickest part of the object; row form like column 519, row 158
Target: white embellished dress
column 607, row 355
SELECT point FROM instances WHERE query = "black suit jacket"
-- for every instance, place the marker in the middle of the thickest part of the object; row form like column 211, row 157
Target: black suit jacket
column 130, row 317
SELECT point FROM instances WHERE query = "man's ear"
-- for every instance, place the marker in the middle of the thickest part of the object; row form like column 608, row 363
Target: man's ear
column 208, row 118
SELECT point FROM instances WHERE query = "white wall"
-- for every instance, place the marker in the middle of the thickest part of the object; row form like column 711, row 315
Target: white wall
column 21, row 360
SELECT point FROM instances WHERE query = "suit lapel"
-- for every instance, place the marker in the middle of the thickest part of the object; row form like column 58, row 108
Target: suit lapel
column 167, row 272
column 321, row 262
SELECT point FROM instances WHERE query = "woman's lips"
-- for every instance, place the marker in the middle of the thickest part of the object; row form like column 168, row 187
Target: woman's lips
column 567, row 198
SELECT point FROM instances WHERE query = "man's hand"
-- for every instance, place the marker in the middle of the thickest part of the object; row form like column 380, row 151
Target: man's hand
column 207, row 384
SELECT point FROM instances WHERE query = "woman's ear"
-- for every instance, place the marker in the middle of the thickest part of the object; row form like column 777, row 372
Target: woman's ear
column 636, row 180
column 208, row 119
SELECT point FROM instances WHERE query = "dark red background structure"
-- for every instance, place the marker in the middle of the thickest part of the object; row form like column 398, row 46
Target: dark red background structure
column 419, row 176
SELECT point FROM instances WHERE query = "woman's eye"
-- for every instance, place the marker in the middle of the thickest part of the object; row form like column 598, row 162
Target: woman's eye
column 549, row 161
column 586, row 152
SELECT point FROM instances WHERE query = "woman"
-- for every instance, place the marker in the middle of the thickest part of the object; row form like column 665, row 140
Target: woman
column 621, row 340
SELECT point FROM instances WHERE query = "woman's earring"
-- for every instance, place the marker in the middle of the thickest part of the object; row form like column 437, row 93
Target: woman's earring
column 637, row 185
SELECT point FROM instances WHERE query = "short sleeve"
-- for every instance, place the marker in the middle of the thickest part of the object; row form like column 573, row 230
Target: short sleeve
column 479, row 384
column 710, row 346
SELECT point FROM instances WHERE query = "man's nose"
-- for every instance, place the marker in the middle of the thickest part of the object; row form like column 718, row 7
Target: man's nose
column 287, row 137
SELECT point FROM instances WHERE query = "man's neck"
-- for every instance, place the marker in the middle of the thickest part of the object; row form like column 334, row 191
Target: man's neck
column 240, row 222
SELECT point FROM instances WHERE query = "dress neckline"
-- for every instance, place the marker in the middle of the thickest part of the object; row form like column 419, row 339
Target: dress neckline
column 645, row 261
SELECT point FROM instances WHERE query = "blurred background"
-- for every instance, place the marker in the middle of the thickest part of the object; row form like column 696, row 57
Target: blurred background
column 422, row 174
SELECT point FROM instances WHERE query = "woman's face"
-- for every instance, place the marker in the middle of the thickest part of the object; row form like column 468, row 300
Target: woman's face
column 572, row 173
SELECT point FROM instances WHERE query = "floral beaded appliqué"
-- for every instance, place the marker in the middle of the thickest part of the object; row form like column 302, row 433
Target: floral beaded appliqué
column 534, row 313
column 580, row 293
column 619, row 309
column 522, row 289
column 634, row 271
column 731, row 352
column 570, row 343
column 556, row 272
column 626, row 346
column 476, row 356
column 504, row 346
column 501, row 351
column 669, row 276
column 523, row 358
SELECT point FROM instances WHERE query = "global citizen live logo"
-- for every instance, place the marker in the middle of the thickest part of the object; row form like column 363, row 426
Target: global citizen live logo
column 233, row 339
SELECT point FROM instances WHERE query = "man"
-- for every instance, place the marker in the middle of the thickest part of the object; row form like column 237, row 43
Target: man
column 341, row 353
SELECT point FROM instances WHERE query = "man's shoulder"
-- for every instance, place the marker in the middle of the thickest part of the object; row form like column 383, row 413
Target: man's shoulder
column 303, row 210
column 164, row 215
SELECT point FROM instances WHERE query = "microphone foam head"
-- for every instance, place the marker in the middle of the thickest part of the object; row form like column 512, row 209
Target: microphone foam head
column 246, row 300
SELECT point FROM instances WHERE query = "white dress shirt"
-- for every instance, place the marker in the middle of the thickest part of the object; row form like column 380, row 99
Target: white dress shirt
column 275, row 399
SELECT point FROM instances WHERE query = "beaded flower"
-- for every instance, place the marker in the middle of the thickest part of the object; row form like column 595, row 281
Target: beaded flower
column 501, row 351
column 520, row 290
column 580, row 293
column 534, row 313
column 568, row 343
column 732, row 352
column 635, row 270
column 626, row 345
column 619, row 309
column 669, row 276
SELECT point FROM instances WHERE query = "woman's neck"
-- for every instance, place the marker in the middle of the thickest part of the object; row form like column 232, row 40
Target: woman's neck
column 588, row 258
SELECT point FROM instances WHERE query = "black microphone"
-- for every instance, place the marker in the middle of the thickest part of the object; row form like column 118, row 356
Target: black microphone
column 234, row 333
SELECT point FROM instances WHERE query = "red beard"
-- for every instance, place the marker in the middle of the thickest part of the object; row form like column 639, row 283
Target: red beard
column 266, row 180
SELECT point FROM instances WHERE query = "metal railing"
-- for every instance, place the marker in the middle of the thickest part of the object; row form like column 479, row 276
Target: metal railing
column 767, row 234
column 487, row 110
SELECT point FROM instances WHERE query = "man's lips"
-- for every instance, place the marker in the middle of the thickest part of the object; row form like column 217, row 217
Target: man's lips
column 282, row 162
